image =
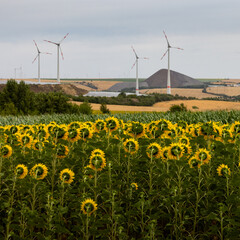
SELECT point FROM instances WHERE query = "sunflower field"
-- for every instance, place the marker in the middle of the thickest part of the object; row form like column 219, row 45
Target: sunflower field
column 114, row 179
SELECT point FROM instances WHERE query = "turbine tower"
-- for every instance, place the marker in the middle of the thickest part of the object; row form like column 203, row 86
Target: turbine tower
column 58, row 49
column 168, row 75
column 136, row 63
column 38, row 57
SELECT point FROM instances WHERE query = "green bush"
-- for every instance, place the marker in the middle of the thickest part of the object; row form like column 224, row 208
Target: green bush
column 178, row 108
column 85, row 108
column 104, row 109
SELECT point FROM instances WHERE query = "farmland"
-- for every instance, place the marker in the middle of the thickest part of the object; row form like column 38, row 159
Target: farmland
column 115, row 179
column 142, row 174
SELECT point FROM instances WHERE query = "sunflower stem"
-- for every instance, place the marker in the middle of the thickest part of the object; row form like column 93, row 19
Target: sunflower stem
column 10, row 209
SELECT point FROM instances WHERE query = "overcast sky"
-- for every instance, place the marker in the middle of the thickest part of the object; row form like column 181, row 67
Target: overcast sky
column 101, row 33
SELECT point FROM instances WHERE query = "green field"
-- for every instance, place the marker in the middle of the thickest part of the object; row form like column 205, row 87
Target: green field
column 190, row 117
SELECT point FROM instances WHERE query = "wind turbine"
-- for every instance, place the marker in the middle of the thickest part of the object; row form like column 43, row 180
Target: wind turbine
column 168, row 75
column 38, row 57
column 58, row 49
column 136, row 63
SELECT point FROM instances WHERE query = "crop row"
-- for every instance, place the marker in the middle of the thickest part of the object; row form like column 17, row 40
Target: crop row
column 145, row 117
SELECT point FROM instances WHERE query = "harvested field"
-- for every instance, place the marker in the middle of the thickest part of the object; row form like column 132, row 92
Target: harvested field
column 229, row 91
column 192, row 105
column 185, row 92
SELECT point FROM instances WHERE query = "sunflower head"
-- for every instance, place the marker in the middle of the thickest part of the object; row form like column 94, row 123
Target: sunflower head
column 74, row 125
column 62, row 151
column 137, row 129
column 85, row 132
column 39, row 171
column 134, row 185
column 67, row 176
column 203, row 155
column 223, row 170
column 6, row 151
column 97, row 162
column 131, row 146
column 154, row 150
column 112, row 123
column 88, row 206
column 175, row 151
column 164, row 153
column 73, row 134
column 100, row 125
column 98, row 151
column 21, row 171
column 194, row 162
column 25, row 140
column 37, row 145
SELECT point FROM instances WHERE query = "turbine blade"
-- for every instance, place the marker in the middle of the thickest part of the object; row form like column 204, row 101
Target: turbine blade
column 35, row 58
column 134, row 52
column 64, row 37
column 36, row 46
column 46, row 53
column 164, row 55
column 133, row 65
column 50, row 42
column 178, row 48
column 61, row 52
column 166, row 39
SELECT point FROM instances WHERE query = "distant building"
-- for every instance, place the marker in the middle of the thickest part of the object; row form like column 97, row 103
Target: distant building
column 104, row 94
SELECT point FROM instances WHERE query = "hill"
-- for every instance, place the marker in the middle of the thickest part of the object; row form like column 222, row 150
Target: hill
column 178, row 80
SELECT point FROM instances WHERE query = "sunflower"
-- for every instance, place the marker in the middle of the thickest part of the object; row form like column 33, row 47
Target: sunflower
column 74, row 125
column 67, row 175
column 85, row 132
column 187, row 149
column 131, row 146
column 21, row 171
column 42, row 133
column 39, row 171
column 97, row 162
column 62, row 151
column 153, row 150
column 73, row 134
column 182, row 124
column 37, row 145
column 163, row 124
column 164, row 153
column 100, row 125
column 194, row 130
column 184, row 140
column 223, row 170
column 88, row 206
column 175, row 151
column 134, row 185
column 25, row 140
column 203, row 155
column 155, row 132
column 136, row 130
column 6, row 151
column 194, row 162
column 235, row 127
column 150, row 126
column 59, row 132
column 98, row 152
column 13, row 129
column 112, row 123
